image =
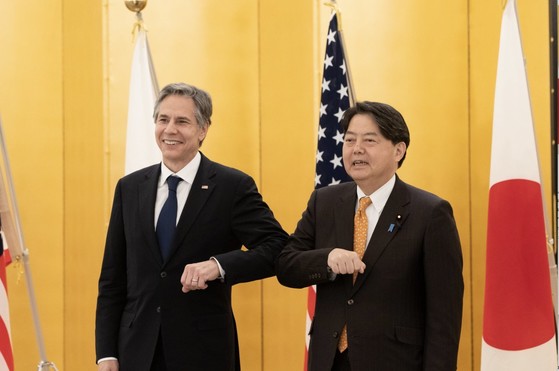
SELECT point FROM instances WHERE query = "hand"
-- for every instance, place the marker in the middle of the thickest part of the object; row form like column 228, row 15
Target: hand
column 108, row 365
column 196, row 276
column 343, row 261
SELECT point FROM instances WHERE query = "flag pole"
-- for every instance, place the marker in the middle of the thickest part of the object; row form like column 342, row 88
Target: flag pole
column 553, row 86
column 44, row 364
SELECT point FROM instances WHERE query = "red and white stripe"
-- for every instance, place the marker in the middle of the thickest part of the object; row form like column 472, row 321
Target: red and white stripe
column 6, row 355
column 311, row 302
column 518, row 327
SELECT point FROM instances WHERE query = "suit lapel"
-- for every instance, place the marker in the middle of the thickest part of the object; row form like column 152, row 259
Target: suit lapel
column 147, row 190
column 202, row 187
column 392, row 218
column 344, row 213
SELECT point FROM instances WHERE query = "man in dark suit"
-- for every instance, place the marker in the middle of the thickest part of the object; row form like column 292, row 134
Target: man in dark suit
column 399, row 307
column 165, row 298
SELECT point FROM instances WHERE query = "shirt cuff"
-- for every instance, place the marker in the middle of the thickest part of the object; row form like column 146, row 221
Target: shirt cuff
column 107, row 359
column 221, row 271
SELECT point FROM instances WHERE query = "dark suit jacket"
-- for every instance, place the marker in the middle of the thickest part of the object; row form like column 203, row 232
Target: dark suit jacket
column 404, row 313
column 140, row 295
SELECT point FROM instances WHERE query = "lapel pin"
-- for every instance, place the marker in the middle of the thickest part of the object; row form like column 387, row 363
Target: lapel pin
column 398, row 222
column 205, row 187
column 391, row 228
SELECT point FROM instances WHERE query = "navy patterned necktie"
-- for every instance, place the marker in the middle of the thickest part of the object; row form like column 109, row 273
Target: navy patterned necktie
column 167, row 222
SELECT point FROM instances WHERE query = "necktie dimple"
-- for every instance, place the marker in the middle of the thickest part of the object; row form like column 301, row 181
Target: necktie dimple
column 359, row 245
column 167, row 222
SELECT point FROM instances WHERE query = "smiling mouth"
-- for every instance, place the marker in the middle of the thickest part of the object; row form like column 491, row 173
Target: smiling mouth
column 170, row 142
column 359, row 162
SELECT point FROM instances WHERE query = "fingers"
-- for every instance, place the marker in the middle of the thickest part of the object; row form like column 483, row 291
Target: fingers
column 343, row 261
column 196, row 276
column 193, row 278
column 108, row 365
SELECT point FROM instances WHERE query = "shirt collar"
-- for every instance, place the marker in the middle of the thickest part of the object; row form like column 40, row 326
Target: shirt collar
column 380, row 196
column 187, row 173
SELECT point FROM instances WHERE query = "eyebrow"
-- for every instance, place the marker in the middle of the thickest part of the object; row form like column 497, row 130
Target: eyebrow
column 162, row 115
column 373, row 133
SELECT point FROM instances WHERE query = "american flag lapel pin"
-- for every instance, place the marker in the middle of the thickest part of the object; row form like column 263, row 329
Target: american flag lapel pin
column 205, row 187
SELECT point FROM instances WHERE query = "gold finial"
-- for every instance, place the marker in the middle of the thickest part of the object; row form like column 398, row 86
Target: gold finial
column 135, row 5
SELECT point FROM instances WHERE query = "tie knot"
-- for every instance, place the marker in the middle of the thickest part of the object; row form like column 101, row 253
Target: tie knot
column 364, row 202
column 172, row 182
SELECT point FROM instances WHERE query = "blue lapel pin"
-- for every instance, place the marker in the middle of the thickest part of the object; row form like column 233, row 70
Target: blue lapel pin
column 398, row 223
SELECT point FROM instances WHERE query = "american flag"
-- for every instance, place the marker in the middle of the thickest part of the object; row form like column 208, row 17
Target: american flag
column 336, row 97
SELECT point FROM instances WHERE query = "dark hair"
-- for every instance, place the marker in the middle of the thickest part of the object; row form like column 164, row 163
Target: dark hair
column 202, row 101
column 390, row 122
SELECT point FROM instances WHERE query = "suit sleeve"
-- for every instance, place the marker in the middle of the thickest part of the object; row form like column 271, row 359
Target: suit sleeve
column 444, row 289
column 301, row 263
column 112, row 284
column 253, row 224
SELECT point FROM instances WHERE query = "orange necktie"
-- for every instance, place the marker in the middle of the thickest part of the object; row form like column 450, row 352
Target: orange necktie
column 359, row 245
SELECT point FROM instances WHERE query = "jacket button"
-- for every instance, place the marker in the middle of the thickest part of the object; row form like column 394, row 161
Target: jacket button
column 158, row 310
column 335, row 334
column 163, row 274
column 350, row 302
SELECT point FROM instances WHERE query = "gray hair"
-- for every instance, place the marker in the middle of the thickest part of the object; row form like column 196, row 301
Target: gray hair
column 202, row 101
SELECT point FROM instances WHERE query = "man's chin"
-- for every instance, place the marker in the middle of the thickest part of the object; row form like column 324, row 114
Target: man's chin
column 357, row 174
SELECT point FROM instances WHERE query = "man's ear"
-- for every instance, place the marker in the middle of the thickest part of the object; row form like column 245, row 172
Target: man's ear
column 400, row 150
column 203, row 133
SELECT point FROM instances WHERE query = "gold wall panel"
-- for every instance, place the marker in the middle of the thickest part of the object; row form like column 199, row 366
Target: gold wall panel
column 64, row 93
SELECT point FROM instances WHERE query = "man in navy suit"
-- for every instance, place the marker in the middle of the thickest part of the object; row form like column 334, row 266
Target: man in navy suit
column 403, row 309
column 171, row 310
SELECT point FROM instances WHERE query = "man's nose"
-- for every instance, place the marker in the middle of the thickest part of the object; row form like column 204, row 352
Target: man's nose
column 357, row 147
column 171, row 126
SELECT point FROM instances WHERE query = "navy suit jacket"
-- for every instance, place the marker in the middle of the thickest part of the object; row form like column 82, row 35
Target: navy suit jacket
column 140, row 295
column 404, row 313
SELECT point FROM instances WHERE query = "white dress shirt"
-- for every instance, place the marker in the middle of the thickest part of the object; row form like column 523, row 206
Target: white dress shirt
column 187, row 174
column 379, row 199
